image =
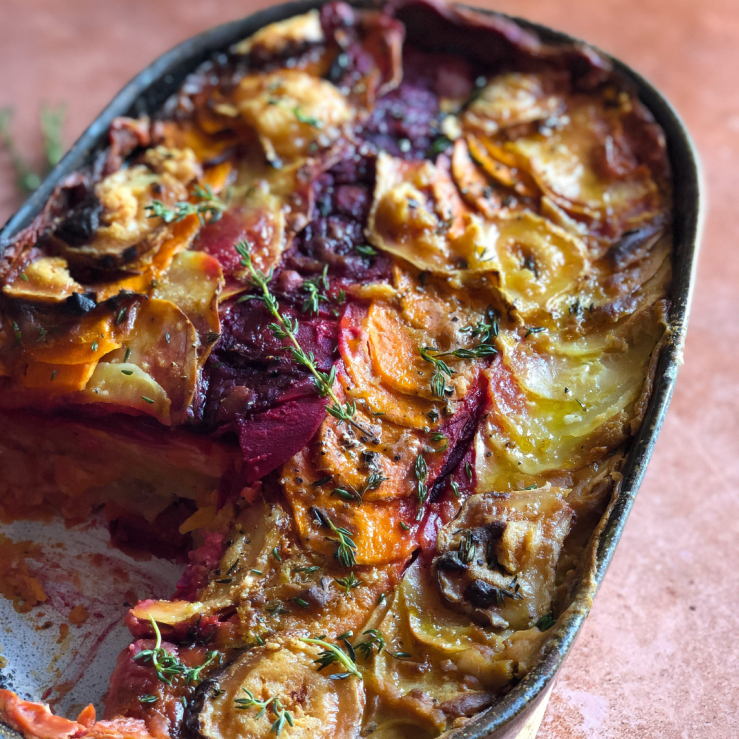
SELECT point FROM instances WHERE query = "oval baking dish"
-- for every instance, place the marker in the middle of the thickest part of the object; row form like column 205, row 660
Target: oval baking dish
column 150, row 89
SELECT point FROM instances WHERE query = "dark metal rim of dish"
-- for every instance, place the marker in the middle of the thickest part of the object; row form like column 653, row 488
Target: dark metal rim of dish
column 146, row 92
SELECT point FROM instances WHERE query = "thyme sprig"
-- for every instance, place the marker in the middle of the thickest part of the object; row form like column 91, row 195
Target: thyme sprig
column 349, row 492
column 286, row 328
column 420, row 470
column 333, row 654
column 348, row 583
column 345, row 546
column 274, row 703
column 374, row 641
column 209, row 205
column 168, row 666
column 442, row 371
column 485, row 330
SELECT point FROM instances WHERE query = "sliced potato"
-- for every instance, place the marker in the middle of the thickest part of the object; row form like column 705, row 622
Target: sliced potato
column 126, row 385
column 193, row 283
column 537, row 262
column 513, row 98
column 319, row 706
column 164, row 344
column 555, row 405
column 417, row 215
column 291, row 111
column 276, row 38
column 46, row 280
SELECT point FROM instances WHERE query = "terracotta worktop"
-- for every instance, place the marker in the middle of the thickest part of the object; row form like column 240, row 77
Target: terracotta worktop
column 659, row 655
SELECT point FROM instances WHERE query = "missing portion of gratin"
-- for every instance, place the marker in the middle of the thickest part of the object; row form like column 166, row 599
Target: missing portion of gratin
column 360, row 327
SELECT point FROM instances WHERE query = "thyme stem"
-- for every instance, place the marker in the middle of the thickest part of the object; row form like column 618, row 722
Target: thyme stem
column 286, row 328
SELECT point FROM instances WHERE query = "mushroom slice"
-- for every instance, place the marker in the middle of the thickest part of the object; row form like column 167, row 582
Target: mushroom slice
column 193, row 283
column 496, row 561
column 46, row 280
column 284, row 680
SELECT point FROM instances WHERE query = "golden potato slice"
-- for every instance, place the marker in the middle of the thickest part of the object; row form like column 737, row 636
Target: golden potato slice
column 537, row 262
column 46, row 280
column 292, row 112
column 513, row 98
column 276, row 38
column 126, row 385
column 284, row 675
column 417, row 215
column 556, row 407
column 497, row 560
column 164, row 344
column 573, row 165
column 193, row 283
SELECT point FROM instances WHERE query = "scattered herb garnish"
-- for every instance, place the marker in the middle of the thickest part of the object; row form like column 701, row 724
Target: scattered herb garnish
column 303, row 118
column 348, row 583
column 374, row 643
column 302, row 603
column 467, row 548
column 455, row 488
column 332, row 654
column 420, row 470
column 276, row 554
column 442, row 438
column 287, row 328
column 208, row 204
column 366, row 250
column 373, row 481
column 148, row 400
column 274, row 703
column 127, row 355
column 468, row 470
column 345, row 545
column 404, row 526
column 485, row 330
column 148, row 698
column 400, row 655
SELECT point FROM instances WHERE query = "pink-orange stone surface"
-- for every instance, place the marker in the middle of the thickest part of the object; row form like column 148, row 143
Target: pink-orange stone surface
column 659, row 656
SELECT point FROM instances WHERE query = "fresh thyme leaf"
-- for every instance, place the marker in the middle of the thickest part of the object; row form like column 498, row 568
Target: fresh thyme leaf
column 468, row 470
column 546, row 622
column 440, row 437
column 166, row 665
column 307, row 570
column 276, row 554
column 440, row 374
column 276, row 608
column 348, row 583
column 128, row 354
column 53, row 374
column 274, row 704
column 26, row 179
column 302, row 603
column 455, row 488
column 148, row 698
column 373, row 644
column 307, row 119
column 404, row 526
column 52, row 121
column 535, row 330
column 439, row 145
column 332, row 654
column 433, row 415
column 467, row 548
column 192, row 674
column 24, row 277
column 126, row 372
column 94, row 346
column 400, row 655
column 209, row 205
column 420, row 470
column 148, row 400
column 366, row 250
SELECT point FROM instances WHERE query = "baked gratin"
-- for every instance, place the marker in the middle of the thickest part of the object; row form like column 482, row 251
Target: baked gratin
column 361, row 329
